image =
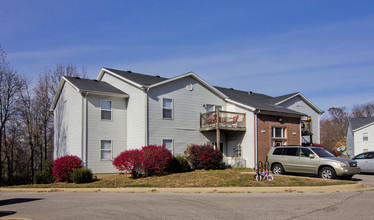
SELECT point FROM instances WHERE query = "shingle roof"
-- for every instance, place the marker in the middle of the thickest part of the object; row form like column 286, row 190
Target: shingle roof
column 360, row 122
column 283, row 97
column 138, row 78
column 257, row 100
column 93, row 85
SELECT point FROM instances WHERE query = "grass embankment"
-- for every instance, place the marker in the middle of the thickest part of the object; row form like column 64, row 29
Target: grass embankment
column 199, row 178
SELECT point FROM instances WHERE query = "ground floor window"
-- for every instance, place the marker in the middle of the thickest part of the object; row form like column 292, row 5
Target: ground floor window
column 106, row 150
column 168, row 143
column 279, row 142
column 279, row 132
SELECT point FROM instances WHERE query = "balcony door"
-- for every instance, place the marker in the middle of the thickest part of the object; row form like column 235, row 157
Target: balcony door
column 212, row 108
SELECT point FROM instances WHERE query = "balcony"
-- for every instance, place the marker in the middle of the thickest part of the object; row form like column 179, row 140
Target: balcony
column 222, row 120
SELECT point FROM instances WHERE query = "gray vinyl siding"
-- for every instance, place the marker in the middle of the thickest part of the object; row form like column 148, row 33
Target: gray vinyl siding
column 68, row 123
column 297, row 104
column 187, row 106
column 136, row 107
column 98, row 129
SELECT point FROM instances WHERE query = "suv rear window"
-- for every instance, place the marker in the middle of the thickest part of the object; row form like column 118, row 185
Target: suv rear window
column 290, row 151
column 278, row 151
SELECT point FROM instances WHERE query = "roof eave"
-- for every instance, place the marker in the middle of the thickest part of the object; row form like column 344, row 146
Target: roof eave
column 364, row 126
column 103, row 70
column 241, row 104
column 284, row 114
column 58, row 92
column 92, row 92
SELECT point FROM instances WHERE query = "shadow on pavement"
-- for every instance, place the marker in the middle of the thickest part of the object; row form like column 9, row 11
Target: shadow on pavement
column 5, row 213
column 17, row 200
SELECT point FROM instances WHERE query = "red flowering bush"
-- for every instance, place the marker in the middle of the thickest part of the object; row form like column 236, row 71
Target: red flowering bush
column 129, row 161
column 63, row 167
column 152, row 160
column 203, row 157
column 156, row 159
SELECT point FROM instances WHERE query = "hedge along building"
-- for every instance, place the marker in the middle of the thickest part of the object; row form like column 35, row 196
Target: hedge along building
column 122, row 110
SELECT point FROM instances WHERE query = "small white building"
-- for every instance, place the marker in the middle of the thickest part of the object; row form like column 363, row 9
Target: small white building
column 360, row 135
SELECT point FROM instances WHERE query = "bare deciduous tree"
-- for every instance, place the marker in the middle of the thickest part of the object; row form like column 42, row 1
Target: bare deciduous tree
column 333, row 128
column 364, row 110
column 63, row 70
column 10, row 84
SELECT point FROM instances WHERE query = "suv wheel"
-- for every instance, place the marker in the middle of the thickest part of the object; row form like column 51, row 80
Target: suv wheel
column 277, row 169
column 327, row 173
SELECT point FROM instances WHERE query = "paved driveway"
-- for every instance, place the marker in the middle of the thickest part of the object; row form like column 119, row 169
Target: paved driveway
column 366, row 179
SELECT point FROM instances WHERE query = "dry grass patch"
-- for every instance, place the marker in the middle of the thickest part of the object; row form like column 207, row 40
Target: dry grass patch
column 198, row 178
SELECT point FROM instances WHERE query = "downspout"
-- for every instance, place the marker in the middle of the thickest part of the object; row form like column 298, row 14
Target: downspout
column 256, row 133
column 146, row 117
column 84, row 129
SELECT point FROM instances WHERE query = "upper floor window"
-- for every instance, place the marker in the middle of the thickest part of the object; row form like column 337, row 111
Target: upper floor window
column 279, row 132
column 106, row 109
column 365, row 136
column 167, row 108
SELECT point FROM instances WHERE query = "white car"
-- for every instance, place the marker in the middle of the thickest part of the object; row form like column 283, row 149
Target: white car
column 365, row 161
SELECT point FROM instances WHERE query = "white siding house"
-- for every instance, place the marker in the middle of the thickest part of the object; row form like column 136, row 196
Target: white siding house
column 121, row 110
column 90, row 122
column 360, row 135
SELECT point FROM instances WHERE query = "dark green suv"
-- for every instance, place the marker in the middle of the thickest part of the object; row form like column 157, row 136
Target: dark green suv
column 310, row 160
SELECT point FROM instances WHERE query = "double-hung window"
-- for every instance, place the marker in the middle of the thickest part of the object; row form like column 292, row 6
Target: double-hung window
column 167, row 108
column 168, row 143
column 106, row 109
column 279, row 132
column 106, row 150
column 365, row 136
column 279, row 136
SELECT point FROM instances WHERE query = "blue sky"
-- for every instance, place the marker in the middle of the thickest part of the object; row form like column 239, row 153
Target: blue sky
column 323, row 49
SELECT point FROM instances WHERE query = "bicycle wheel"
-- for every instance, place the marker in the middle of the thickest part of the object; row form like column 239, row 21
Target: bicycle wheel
column 258, row 178
column 270, row 178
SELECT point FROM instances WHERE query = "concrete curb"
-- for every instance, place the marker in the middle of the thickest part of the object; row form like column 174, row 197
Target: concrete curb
column 290, row 189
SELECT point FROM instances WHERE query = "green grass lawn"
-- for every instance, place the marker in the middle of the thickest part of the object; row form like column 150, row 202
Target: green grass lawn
column 199, row 178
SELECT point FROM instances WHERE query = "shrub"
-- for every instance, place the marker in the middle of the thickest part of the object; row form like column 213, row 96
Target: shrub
column 129, row 161
column 203, row 157
column 45, row 175
column 156, row 159
column 21, row 179
column 63, row 167
column 150, row 160
column 81, row 175
column 180, row 164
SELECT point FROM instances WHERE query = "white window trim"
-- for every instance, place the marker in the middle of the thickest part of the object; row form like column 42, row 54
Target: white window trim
column 365, row 135
column 172, row 144
column 172, row 109
column 111, row 150
column 111, row 110
column 284, row 132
